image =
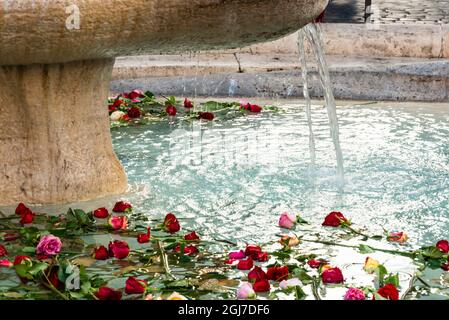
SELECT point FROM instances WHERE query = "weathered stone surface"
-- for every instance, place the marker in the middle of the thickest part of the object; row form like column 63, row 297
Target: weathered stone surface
column 55, row 144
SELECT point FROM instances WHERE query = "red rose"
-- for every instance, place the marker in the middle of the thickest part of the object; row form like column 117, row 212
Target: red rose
column 443, row 245
column 53, row 278
column 105, row 293
column 135, row 286
column 389, row 292
column 135, row 94
column 171, row 110
column 134, row 113
column 252, row 251
column 262, row 257
column 209, row 116
column 101, row 213
column 118, row 249
column 11, row 236
column 257, row 274
column 144, row 237
column 21, row 209
column 101, row 253
column 171, row 223
column 117, row 103
column 125, row 118
column 22, row 259
column 191, row 236
column 188, row 104
column 278, row 273
column 245, row 264
column 332, row 275
column 315, row 264
column 445, row 266
column 27, row 217
column 252, row 108
column 335, row 219
column 261, row 286
column 122, row 206
column 3, row 251
column 189, row 250
column 111, row 108
column 118, row 223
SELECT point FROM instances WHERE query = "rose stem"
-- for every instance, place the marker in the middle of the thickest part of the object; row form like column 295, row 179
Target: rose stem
column 165, row 260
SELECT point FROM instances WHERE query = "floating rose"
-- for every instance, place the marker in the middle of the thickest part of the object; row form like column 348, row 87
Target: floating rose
column 135, row 286
column 399, row 237
column 101, row 213
column 171, row 110
column 443, row 245
column 335, row 219
column 332, row 275
column 389, row 292
column 371, row 265
column 188, row 104
column 254, row 108
column 287, row 220
column 191, row 236
column 277, row 273
column 105, row 293
column 134, row 113
column 118, row 223
column 118, row 249
column 262, row 286
column 171, row 223
column 246, row 291
column 209, row 116
column 3, row 251
column 101, row 253
column 354, row 294
column 49, row 245
column 245, row 264
column 122, row 207
column 5, row 264
column 257, row 274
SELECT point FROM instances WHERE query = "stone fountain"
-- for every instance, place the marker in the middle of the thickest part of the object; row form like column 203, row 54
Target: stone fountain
column 56, row 60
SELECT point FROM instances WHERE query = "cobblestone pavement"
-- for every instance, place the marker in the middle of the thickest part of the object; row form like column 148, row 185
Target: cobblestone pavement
column 390, row 11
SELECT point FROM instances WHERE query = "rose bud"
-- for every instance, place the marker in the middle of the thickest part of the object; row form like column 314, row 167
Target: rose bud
column 277, row 273
column 443, row 245
column 237, row 255
column 3, row 251
column 262, row 286
column 332, row 275
column 188, row 104
column 245, row 264
column 252, row 250
column 27, row 217
column 134, row 113
column 118, row 223
column 389, row 292
column 52, row 276
column 171, row 110
column 122, row 207
column 188, row 250
column 287, row 221
column 101, row 213
column 118, row 249
column 21, row 209
column 143, row 238
column 209, row 116
column 315, row 264
column 191, row 236
column 23, row 260
column 399, row 237
column 101, row 253
column 171, row 223
column 135, row 286
column 257, row 274
column 335, row 219
column 135, row 94
column 5, row 264
column 245, row 291
column 105, row 293
column 49, row 245
column 371, row 265
column 354, row 294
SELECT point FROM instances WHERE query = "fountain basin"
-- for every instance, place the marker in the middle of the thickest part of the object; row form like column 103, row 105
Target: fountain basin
column 55, row 145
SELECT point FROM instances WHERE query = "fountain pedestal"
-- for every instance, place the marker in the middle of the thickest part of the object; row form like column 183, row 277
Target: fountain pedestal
column 55, row 144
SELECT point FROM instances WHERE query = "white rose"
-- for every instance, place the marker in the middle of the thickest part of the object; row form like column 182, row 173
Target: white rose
column 116, row 115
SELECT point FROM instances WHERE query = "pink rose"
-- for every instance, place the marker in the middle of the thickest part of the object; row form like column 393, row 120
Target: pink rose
column 49, row 245
column 246, row 291
column 237, row 255
column 5, row 264
column 354, row 294
column 443, row 246
column 287, row 220
column 118, row 223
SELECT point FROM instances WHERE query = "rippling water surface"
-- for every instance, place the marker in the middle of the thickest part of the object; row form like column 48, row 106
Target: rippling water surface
column 233, row 178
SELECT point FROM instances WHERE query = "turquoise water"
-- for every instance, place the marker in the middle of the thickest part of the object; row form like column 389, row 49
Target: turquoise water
column 233, row 178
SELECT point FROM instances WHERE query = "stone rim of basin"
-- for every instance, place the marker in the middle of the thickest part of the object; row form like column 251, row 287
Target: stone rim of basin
column 56, row 145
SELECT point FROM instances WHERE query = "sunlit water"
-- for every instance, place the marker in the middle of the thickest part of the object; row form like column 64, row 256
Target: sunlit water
column 234, row 178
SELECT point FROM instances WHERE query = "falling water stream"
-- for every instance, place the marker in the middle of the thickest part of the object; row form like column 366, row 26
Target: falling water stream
column 313, row 33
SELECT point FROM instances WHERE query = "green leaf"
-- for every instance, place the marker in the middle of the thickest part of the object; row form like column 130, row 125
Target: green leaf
column 432, row 252
column 29, row 250
column 364, row 249
column 37, row 268
column 299, row 293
